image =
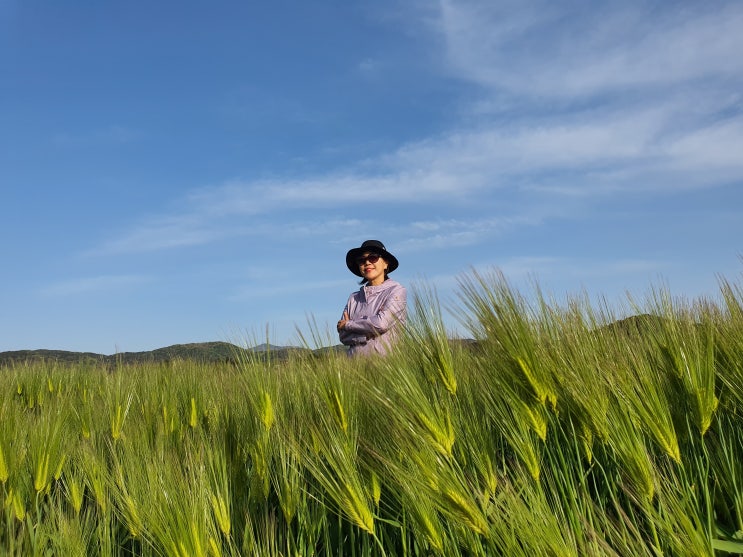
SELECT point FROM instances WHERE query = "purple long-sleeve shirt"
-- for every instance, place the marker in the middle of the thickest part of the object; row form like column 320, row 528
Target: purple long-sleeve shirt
column 375, row 316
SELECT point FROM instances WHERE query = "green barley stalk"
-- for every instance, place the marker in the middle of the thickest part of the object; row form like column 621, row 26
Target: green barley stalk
column 330, row 455
column 93, row 462
column 220, row 490
column 642, row 390
column 576, row 351
column 120, row 402
column 426, row 338
column 479, row 446
column 7, row 434
column 127, row 480
column 679, row 515
column 47, row 446
column 686, row 339
column 502, row 408
column 179, row 515
column 726, row 456
column 729, row 334
column 510, row 328
column 73, row 483
column 627, row 442
column 73, row 536
column 415, row 407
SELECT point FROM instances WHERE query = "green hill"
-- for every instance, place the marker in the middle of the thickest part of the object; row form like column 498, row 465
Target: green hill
column 199, row 351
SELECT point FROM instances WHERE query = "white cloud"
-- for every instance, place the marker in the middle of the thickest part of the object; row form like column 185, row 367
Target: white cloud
column 333, row 189
column 369, row 67
column 201, row 226
column 715, row 147
column 552, row 49
column 165, row 232
column 442, row 234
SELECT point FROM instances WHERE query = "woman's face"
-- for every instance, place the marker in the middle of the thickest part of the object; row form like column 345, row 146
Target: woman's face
column 372, row 267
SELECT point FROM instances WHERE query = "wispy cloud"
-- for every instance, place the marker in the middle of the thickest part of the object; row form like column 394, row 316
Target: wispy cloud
column 368, row 67
column 552, row 49
column 90, row 285
column 163, row 232
column 603, row 154
column 451, row 233
column 201, row 227
column 550, row 269
column 283, row 285
column 715, row 148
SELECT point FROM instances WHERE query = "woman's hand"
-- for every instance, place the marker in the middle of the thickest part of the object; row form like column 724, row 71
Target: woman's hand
column 342, row 322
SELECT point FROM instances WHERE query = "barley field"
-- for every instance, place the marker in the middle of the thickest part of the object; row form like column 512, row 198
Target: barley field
column 562, row 430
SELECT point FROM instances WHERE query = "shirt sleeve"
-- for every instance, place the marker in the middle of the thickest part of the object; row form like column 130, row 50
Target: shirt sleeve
column 392, row 311
column 346, row 336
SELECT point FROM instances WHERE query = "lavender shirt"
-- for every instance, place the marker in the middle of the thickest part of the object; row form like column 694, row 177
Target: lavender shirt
column 375, row 316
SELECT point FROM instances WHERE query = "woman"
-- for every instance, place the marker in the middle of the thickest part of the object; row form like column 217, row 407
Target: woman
column 374, row 315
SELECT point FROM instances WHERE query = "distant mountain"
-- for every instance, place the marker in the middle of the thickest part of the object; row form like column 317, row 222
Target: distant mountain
column 199, row 351
column 272, row 348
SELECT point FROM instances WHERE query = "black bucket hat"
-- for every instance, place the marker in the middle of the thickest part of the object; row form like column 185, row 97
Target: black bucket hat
column 370, row 246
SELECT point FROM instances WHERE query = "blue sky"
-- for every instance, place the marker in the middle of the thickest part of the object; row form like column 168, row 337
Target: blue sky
column 175, row 172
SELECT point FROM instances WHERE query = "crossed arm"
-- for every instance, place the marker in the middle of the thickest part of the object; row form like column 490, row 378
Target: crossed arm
column 361, row 329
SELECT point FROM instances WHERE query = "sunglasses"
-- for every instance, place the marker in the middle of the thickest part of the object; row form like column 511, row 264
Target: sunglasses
column 371, row 258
